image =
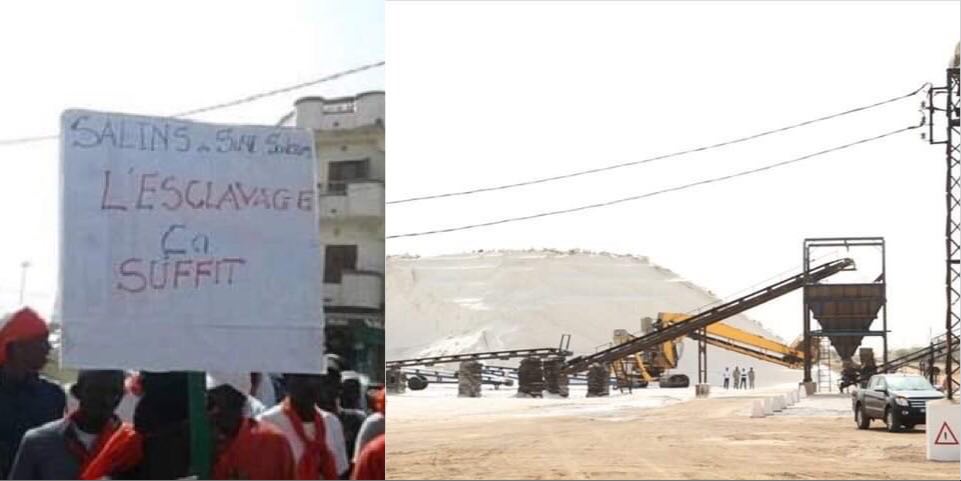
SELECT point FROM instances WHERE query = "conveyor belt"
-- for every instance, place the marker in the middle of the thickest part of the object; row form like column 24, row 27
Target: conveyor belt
column 479, row 356
column 708, row 317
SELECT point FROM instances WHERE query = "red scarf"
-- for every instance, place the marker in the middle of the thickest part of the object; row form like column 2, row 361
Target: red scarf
column 258, row 451
column 317, row 459
column 78, row 449
column 122, row 451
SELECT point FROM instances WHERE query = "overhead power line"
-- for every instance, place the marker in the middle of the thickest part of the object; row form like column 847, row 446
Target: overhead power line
column 650, row 194
column 223, row 105
column 652, row 159
column 270, row 93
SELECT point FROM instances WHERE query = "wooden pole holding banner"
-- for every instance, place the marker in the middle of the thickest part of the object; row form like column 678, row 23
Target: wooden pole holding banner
column 199, row 426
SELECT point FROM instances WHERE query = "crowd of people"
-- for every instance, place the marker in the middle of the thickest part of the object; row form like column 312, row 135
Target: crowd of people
column 137, row 425
column 742, row 378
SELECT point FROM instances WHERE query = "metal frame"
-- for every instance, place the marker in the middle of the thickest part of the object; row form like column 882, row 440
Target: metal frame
column 702, row 356
column 707, row 317
column 849, row 242
column 952, row 228
column 447, row 377
column 501, row 355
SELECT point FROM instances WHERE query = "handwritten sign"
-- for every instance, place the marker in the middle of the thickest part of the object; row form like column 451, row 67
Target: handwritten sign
column 188, row 246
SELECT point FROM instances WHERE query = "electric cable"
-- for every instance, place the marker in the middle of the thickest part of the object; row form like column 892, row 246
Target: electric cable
column 222, row 105
column 650, row 194
column 652, row 159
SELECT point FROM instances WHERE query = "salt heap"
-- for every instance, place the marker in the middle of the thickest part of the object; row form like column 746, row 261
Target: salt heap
column 499, row 300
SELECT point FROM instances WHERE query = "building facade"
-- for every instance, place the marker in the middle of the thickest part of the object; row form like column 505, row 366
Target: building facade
column 349, row 138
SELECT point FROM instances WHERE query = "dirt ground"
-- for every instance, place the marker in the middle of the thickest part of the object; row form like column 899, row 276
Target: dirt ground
column 696, row 439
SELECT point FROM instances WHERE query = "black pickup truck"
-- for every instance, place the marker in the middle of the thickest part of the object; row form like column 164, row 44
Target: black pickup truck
column 899, row 399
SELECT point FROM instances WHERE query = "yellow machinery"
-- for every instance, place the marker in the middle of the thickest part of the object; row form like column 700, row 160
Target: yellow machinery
column 641, row 368
column 737, row 340
column 644, row 367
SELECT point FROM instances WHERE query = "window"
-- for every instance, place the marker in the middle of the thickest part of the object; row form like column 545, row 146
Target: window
column 343, row 172
column 911, row 383
column 341, row 107
column 338, row 259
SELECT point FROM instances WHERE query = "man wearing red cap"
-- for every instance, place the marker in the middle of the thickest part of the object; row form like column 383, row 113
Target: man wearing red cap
column 26, row 399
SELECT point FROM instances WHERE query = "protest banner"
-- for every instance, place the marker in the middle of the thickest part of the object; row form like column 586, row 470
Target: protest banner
column 188, row 246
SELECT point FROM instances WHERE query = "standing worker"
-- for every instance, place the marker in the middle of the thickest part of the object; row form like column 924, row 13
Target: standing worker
column 743, row 379
column 737, row 376
column 373, row 426
column 158, row 445
column 328, row 399
column 62, row 449
column 316, row 438
column 727, row 377
column 244, row 448
column 27, row 400
column 750, row 377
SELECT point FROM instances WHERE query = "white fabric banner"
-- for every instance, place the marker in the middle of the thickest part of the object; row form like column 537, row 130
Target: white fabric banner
column 188, row 246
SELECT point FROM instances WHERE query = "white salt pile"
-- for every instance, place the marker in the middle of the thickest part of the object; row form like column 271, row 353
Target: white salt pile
column 525, row 299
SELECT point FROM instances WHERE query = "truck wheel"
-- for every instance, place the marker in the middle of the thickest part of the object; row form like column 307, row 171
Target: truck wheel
column 889, row 419
column 417, row 383
column 861, row 418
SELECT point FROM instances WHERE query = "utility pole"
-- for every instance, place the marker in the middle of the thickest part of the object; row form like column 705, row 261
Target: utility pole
column 952, row 235
column 23, row 279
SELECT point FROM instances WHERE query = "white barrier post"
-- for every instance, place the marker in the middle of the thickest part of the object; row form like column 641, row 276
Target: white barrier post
column 757, row 410
column 943, row 423
column 768, row 407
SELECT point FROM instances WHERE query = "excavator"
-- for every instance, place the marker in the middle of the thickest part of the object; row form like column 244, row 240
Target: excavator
column 651, row 365
column 641, row 368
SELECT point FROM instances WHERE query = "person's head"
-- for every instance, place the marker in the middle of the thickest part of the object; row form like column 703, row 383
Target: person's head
column 161, row 417
column 99, row 393
column 226, row 398
column 303, row 389
column 379, row 401
column 331, row 385
column 225, row 410
column 350, row 395
column 23, row 341
column 330, row 389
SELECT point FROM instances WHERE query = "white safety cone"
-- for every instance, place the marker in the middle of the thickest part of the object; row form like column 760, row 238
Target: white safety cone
column 768, row 406
column 757, row 410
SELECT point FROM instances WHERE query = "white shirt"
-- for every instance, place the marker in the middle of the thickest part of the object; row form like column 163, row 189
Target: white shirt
column 85, row 438
column 334, row 435
column 253, row 407
column 265, row 390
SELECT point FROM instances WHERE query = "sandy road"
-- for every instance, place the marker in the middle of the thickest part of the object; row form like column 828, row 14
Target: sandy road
column 693, row 439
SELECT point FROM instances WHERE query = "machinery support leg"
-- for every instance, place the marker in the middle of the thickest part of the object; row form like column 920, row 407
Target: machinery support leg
column 703, row 388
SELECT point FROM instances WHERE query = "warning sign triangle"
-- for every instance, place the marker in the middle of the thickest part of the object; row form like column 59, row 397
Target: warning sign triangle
column 946, row 436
